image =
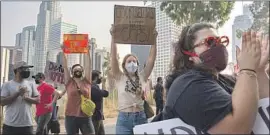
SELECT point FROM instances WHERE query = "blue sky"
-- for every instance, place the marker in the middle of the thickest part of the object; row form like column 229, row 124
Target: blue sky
column 91, row 17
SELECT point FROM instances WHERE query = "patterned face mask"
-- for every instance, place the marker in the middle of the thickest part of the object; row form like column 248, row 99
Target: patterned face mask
column 131, row 67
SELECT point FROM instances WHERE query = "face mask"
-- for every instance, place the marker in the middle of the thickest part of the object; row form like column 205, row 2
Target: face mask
column 77, row 74
column 215, row 58
column 25, row 74
column 98, row 81
column 131, row 67
column 37, row 81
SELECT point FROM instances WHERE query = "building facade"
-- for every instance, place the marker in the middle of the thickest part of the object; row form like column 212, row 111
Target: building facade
column 5, row 58
column 168, row 33
column 49, row 11
column 142, row 53
column 27, row 42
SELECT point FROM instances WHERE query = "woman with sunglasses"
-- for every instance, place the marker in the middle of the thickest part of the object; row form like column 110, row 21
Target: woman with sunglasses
column 202, row 97
column 77, row 85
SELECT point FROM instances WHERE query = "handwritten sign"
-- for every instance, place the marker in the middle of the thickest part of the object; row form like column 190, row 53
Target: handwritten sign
column 75, row 43
column 177, row 126
column 134, row 25
column 170, row 127
column 54, row 72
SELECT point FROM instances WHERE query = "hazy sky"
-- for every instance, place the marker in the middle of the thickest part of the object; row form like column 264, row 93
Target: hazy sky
column 91, row 17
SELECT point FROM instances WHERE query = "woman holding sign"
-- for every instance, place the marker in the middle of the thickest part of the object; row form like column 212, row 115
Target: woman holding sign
column 203, row 98
column 77, row 85
column 129, row 86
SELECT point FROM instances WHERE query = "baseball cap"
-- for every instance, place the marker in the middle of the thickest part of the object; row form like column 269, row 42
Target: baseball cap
column 39, row 76
column 21, row 64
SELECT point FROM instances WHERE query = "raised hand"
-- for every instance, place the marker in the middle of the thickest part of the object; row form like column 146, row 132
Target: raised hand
column 264, row 52
column 250, row 55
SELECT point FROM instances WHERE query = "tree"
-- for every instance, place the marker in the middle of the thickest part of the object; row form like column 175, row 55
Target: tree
column 189, row 12
column 260, row 12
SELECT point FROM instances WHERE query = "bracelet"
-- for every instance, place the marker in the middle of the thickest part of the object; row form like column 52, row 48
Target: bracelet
column 248, row 70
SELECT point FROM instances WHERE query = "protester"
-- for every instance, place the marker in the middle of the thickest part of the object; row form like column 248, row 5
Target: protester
column 158, row 95
column 76, row 85
column 18, row 95
column 45, row 107
column 198, row 97
column 129, row 86
column 54, row 126
column 97, row 95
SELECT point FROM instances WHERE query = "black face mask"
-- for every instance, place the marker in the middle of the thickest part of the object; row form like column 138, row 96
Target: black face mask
column 98, row 80
column 37, row 81
column 77, row 74
column 25, row 74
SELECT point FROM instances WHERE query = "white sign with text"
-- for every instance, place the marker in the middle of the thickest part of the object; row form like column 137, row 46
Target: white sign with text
column 177, row 126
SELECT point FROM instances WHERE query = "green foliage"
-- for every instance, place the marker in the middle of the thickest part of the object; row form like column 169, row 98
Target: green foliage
column 260, row 12
column 189, row 12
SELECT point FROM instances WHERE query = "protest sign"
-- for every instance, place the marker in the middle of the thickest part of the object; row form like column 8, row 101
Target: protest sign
column 54, row 72
column 177, row 126
column 134, row 25
column 75, row 43
column 262, row 122
column 171, row 126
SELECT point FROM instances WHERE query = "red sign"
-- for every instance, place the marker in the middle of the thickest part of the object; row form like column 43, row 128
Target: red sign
column 75, row 43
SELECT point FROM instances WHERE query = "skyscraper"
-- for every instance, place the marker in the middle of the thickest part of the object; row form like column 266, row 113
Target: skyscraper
column 49, row 11
column 57, row 30
column 27, row 42
column 168, row 33
column 142, row 53
column 241, row 24
column 18, row 40
column 5, row 58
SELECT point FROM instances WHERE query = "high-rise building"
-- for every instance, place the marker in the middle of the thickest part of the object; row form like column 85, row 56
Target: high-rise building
column 57, row 30
column 18, row 40
column 27, row 42
column 142, row 53
column 168, row 33
column 99, row 57
column 49, row 11
column 241, row 24
column 5, row 58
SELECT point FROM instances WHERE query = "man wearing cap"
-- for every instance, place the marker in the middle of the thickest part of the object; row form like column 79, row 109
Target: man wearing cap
column 17, row 96
column 48, row 96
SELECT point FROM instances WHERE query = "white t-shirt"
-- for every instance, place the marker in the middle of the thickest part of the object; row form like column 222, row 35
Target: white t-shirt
column 127, row 99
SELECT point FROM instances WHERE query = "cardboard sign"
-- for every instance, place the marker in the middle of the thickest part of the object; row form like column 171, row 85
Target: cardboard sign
column 167, row 127
column 262, row 122
column 54, row 72
column 134, row 25
column 177, row 126
column 75, row 43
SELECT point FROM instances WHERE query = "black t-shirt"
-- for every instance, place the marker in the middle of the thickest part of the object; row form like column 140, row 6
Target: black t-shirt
column 198, row 99
column 159, row 92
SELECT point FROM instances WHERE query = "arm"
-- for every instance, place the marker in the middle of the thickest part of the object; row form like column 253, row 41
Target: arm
column 66, row 70
column 114, row 61
column 263, row 82
column 244, row 104
column 6, row 98
column 88, row 66
column 105, row 93
column 150, row 62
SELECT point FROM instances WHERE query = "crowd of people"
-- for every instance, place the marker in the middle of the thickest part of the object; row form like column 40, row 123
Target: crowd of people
column 195, row 90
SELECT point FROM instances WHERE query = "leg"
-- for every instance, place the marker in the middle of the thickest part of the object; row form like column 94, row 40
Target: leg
column 101, row 130
column 17, row 130
column 86, row 127
column 124, row 124
column 70, row 125
column 42, row 122
column 96, row 124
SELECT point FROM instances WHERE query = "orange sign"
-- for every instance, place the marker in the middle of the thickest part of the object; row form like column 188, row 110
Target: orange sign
column 75, row 43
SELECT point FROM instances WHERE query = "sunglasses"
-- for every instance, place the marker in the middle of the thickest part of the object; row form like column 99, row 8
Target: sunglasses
column 210, row 42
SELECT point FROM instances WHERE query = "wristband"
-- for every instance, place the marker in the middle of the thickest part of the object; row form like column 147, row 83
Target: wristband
column 248, row 70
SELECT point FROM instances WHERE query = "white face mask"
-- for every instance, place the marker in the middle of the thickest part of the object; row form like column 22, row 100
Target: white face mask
column 131, row 67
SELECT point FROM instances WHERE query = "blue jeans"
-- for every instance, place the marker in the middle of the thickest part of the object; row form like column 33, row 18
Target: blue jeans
column 74, row 124
column 126, row 121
